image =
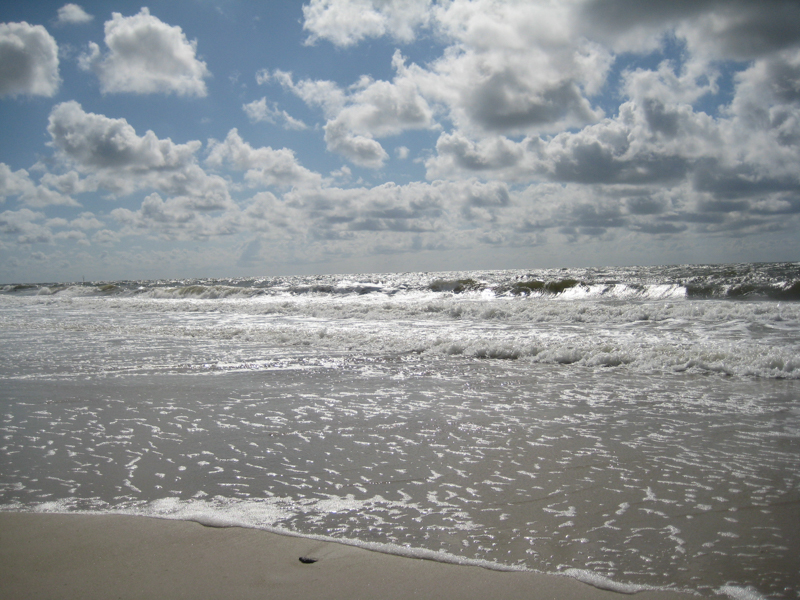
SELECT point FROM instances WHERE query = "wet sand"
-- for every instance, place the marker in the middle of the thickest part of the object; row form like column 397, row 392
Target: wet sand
column 49, row 556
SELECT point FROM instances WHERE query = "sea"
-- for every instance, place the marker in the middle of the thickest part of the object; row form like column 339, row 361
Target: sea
column 632, row 427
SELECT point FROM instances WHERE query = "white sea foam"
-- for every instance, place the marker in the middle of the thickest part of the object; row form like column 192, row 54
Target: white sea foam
column 740, row 593
column 748, row 339
column 604, row 583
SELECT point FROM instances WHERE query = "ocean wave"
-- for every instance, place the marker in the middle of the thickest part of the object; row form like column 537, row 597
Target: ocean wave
column 635, row 322
column 729, row 339
column 773, row 282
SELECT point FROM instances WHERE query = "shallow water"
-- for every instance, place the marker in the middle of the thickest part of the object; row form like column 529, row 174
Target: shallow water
column 554, row 432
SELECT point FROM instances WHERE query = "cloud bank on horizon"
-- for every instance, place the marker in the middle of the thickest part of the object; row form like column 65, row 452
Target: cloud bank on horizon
column 227, row 138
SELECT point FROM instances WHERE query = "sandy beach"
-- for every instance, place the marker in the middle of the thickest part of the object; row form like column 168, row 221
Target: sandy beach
column 110, row 556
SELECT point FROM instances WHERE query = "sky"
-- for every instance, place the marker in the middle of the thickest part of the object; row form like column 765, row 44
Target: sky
column 227, row 138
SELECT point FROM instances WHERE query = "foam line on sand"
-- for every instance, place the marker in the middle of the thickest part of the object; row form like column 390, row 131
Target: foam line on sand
column 49, row 556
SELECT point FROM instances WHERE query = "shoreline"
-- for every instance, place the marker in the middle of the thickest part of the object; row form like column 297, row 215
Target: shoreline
column 46, row 555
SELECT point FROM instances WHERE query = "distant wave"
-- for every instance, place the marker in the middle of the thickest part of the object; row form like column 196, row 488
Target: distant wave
column 772, row 281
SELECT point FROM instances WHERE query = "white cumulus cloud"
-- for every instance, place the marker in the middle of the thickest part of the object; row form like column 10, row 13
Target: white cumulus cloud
column 366, row 110
column 731, row 29
column 175, row 219
column 259, row 111
column 359, row 149
column 19, row 184
column 515, row 67
column 263, row 166
column 73, row 14
column 146, row 56
column 509, row 68
column 120, row 161
column 346, row 22
column 24, row 224
column 28, row 60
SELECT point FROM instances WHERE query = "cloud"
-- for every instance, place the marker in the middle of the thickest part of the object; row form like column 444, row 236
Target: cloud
column 312, row 223
column 346, row 22
column 97, row 142
column 514, row 67
column 22, row 223
column 351, row 217
column 458, row 155
column 768, row 96
column 79, row 237
column 115, row 158
column 263, row 166
column 70, row 183
column 359, row 149
column 86, row 220
column 658, row 138
column 554, row 121
column 324, row 94
column 509, row 68
column 258, row 111
column 105, row 237
column 73, row 14
column 383, row 108
column 12, row 183
column 718, row 29
column 74, row 231
column 533, row 68
column 176, row 218
column 146, row 56
column 626, row 150
column 742, row 30
column 28, row 61
column 19, row 184
column 670, row 84
column 367, row 110
column 275, row 219
column 660, row 167
column 250, row 254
